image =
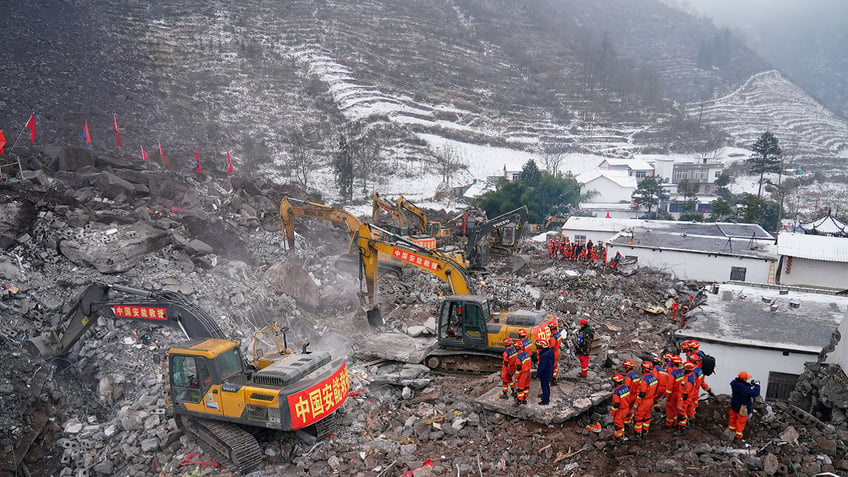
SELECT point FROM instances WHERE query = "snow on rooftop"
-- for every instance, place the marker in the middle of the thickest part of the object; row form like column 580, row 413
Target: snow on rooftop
column 813, row 247
column 620, row 177
column 742, row 314
column 635, row 163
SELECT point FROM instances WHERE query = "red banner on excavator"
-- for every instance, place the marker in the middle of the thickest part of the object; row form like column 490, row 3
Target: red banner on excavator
column 319, row 400
column 142, row 312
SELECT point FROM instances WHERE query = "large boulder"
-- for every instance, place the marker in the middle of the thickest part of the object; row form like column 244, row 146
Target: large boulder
column 294, row 281
column 114, row 250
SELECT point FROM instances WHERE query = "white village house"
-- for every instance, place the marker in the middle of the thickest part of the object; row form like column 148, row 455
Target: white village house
column 689, row 250
column 611, row 192
column 769, row 332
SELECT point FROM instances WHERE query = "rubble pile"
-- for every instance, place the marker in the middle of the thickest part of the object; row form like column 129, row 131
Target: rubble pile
column 102, row 410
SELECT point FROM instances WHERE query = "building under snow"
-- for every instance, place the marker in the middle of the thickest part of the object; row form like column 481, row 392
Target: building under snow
column 769, row 332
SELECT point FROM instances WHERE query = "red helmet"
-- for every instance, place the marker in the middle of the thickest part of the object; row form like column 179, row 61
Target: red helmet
column 507, row 341
column 584, row 322
column 684, row 346
column 518, row 344
column 552, row 326
column 618, row 379
column 647, row 366
column 689, row 366
column 522, row 333
column 676, row 359
column 627, row 364
column 667, row 357
column 694, row 358
column 657, row 360
column 694, row 345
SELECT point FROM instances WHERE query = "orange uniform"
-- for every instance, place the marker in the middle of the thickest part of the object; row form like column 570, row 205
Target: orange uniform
column 645, row 402
column 620, row 409
column 510, row 363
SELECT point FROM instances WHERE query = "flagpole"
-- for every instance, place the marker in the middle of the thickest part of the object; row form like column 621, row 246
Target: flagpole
column 22, row 131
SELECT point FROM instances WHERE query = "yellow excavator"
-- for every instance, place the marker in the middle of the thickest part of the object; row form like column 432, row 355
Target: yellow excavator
column 428, row 228
column 215, row 394
column 290, row 207
column 399, row 225
column 470, row 337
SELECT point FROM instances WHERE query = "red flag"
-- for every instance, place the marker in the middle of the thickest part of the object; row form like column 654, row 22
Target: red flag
column 117, row 132
column 164, row 161
column 143, row 154
column 197, row 158
column 31, row 125
column 229, row 164
column 2, row 141
column 85, row 135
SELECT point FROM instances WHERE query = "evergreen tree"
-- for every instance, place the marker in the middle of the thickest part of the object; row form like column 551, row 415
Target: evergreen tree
column 766, row 158
column 649, row 193
column 343, row 167
column 530, row 174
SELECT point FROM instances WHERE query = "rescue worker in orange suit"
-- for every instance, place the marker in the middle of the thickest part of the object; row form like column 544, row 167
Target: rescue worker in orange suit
column 631, row 379
column 675, row 307
column 644, row 401
column 741, row 402
column 522, row 374
column 545, row 371
column 695, row 347
column 522, row 336
column 661, row 375
column 672, row 391
column 620, row 409
column 700, row 383
column 683, row 312
column 508, row 367
column 583, row 345
column 687, row 393
column 555, row 343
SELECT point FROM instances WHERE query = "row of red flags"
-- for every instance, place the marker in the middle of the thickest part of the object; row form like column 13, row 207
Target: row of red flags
column 86, row 136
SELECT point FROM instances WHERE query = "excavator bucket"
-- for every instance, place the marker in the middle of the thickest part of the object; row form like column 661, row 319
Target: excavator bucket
column 375, row 317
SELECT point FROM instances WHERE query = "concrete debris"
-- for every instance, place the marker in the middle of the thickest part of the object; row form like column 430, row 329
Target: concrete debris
column 101, row 410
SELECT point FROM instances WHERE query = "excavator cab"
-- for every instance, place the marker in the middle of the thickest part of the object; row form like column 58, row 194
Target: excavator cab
column 462, row 322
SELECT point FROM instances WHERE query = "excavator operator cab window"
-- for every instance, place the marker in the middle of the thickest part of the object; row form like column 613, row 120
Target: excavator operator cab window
column 229, row 363
column 191, row 378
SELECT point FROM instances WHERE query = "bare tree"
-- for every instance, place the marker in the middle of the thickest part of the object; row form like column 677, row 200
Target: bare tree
column 552, row 157
column 304, row 160
column 367, row 152
column 448, row 162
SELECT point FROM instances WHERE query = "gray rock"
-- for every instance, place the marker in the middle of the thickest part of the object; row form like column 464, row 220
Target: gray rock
column 150, row 445
column 770, row 464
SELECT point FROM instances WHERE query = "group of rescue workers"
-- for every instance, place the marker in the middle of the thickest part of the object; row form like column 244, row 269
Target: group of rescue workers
column 668, row 381
column 518, row 361
column 562, row 246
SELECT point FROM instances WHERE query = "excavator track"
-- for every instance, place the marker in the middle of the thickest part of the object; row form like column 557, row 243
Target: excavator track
column 444, row 360
column 229, row 440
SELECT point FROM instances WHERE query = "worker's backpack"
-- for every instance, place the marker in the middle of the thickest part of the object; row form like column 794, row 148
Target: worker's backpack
column 707, row 365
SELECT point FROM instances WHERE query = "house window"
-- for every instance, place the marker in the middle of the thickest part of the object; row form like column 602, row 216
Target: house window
column 641, row 174
column 738, row 273
column 580, row 238
column 717, row 174
column 780, row 385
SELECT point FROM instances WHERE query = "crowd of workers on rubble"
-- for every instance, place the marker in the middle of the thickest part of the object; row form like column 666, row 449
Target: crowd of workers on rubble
column 669, row 382
column 560, row 246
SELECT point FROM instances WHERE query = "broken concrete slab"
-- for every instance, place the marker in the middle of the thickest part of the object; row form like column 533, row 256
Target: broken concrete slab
column 569, row 399
column 395, row 347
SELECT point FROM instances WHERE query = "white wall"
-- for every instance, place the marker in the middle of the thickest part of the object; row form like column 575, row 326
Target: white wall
column 815, row 273
column 695, row 266
column 840, row 354
column 607, row 190
column 757, row 362
column 593, row 235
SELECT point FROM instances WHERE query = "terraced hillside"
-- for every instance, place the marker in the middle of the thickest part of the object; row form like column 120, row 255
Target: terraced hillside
column 807, row 131
column 602, row 77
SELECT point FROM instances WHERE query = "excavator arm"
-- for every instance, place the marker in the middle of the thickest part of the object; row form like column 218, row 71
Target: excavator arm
column 290, row 207
column 403, row 204
column 398, row 217
column 517, row 218
column 120, row 302
column 435, row 263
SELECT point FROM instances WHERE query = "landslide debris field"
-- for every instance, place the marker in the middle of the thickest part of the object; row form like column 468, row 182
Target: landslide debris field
column 101, row 410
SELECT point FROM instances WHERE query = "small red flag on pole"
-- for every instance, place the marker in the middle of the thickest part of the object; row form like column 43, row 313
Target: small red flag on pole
column 164, row 161
column 117, row 132
column 197, row 159
column 229, row 164
column 2, row 141
column 143, row 153
column 86, row 135
column 31, row 125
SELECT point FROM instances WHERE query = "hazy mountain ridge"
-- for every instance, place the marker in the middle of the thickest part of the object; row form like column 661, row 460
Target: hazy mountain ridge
column 244, row 76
